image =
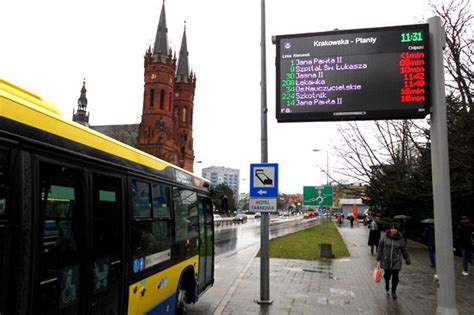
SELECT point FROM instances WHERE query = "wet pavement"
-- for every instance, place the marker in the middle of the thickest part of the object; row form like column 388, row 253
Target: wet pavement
column 338, row 286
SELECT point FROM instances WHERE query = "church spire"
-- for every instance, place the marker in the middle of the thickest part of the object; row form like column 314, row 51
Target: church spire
column 161, row 39
column 82, row 100
column 182, row 73
column 81, row 115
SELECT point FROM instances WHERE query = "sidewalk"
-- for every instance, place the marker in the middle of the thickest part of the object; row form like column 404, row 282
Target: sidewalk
column 228, row 274
column 339, row 286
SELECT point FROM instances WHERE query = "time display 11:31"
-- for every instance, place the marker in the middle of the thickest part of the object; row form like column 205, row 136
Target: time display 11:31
column 412, row 37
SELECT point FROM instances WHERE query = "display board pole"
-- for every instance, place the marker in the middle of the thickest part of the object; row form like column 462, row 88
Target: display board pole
column 265, row 221
column 440, row 172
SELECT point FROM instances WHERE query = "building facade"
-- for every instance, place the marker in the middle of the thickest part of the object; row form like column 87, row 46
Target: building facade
column 223, row 175
column 348, row 192
column 348, row 206
column 166, row 127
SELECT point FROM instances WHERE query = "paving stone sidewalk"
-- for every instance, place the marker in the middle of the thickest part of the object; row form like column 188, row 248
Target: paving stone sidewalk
column 343, row 286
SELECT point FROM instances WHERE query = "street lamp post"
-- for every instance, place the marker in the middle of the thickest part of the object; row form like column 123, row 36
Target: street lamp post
column 244, row 203
column 327, row 184
column 199, row 162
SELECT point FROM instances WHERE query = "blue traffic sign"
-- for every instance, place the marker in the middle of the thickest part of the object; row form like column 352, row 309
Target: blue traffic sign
column 264, row 180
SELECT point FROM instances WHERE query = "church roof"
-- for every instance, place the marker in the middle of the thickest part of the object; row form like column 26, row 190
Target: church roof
column 182, row 73
column 124, row 133
column 161, row 39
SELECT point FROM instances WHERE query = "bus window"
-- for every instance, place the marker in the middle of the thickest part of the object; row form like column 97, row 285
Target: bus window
column 3, row 183
column 151, row 225
column 186, row 221
column 106, row 270
column 161, row 207
column 141, row 199
column 60, row 216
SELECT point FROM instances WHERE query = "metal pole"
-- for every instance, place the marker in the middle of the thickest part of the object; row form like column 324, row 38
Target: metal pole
column 320, row 221
column 327, row 184
column 264, row 224
column 327, row 168
column 440, row 172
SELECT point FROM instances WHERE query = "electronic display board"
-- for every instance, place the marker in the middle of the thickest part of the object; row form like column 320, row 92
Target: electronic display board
column 362, row 74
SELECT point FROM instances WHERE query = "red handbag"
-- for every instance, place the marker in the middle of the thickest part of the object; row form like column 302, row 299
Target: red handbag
column 377, row 275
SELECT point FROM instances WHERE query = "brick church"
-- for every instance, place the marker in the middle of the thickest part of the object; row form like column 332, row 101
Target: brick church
column 166, row 127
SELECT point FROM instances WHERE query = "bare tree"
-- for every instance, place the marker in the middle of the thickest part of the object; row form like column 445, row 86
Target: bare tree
column 367, row 146
column 458, row 18
column 393, row 157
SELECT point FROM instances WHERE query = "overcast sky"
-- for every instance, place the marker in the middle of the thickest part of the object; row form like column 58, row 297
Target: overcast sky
column 49, row 46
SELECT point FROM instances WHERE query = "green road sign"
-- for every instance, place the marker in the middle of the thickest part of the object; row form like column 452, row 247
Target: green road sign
column 318, row 196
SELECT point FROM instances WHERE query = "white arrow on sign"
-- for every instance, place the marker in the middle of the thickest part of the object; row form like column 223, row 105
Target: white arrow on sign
column 261, row 192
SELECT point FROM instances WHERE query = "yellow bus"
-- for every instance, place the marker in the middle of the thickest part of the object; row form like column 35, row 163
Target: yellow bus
column 89, row 225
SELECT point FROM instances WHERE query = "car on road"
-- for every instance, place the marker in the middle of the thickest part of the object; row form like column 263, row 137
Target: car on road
column 258, row 215
column 240, row 218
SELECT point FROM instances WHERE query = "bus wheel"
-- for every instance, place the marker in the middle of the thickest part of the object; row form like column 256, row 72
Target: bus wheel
column 181, row 301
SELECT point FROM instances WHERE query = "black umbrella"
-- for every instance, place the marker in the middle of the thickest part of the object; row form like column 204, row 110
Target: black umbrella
column 402, row 217
column 429, row 221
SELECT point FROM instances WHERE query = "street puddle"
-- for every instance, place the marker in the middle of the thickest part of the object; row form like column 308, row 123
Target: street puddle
column 331, row 301
column 323, row 272
column 291, row 269
column 341, row 292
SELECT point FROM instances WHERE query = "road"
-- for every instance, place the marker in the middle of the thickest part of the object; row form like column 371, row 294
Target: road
column 236, row 237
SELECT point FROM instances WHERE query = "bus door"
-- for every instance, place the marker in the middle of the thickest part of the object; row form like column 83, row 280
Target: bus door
column 206, row 243
column 106, row 270
column 5, row 235
column 75, row 278
column 61, row 254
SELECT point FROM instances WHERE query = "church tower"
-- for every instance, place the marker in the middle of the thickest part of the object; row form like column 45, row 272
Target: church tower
column 165, row 130
column 185, row 84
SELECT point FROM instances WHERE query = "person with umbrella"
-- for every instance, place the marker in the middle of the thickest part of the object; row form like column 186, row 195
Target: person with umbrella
column 402, row 226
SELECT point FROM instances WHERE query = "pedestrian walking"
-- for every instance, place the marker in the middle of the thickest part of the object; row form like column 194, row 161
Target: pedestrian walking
column 464, row 241
column 429, row 237
column 351, row 219
column 374, row 235
column 391, row 248
column 403, row 229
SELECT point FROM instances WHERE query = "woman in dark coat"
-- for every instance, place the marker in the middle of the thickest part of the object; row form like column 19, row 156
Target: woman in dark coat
column 374, row 235
column 391, row 248
column 464, row 241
